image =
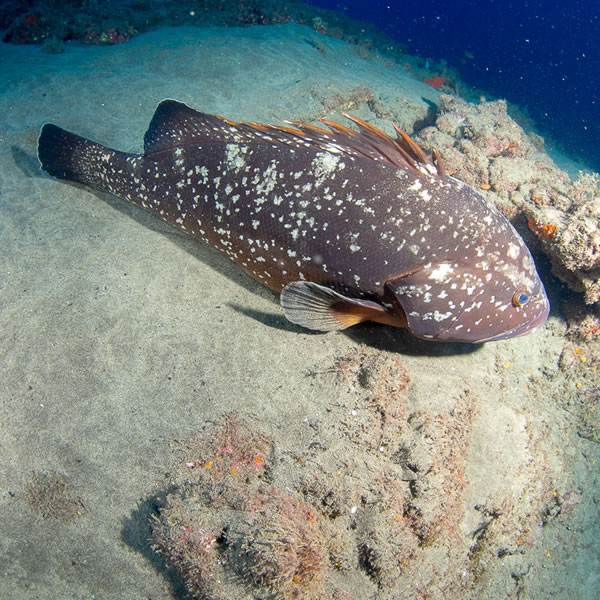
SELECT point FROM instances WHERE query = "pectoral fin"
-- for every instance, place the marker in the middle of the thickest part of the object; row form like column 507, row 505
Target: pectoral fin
column 320, row 308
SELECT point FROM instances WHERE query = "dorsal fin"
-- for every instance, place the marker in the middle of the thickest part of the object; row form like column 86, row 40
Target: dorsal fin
column 175, row 124
column 401, row 152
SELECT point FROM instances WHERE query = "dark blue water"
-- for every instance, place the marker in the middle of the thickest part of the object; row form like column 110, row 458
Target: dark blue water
column 542, row 55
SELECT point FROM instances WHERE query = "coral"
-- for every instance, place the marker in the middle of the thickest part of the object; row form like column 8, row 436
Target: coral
column 506, row 173
column 580, row 360
column 381, row 375
column 318, row 24
column 377, row 505
column 111, row 23
column 334, row 99
column 283, row 548
column 51, row 497
column 436, row 82
column 331, row 494
column 190, row 538
column 234, row 450
column 486, row 133
column 226, row 530
column 411, row 473
column 109, row 36
column 574, row 246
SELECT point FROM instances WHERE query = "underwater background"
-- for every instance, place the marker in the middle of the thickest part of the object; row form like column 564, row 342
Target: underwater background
column 543, row 56
column 166, row 433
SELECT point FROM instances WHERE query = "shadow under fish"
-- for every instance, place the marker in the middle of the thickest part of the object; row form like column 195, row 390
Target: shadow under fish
column 349, row 226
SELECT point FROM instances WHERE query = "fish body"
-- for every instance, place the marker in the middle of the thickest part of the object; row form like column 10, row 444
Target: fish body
column 348, row 225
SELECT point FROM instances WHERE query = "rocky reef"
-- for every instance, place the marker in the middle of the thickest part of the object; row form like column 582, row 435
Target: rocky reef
column 374, row 507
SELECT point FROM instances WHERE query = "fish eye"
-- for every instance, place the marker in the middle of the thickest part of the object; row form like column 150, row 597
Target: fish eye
column 520, row 298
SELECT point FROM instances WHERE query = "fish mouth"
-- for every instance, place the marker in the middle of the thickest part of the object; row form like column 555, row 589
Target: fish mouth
column 522, row 329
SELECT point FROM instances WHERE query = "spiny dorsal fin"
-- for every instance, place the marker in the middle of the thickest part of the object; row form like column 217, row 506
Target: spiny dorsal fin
column 401, row 152
column 176, row 124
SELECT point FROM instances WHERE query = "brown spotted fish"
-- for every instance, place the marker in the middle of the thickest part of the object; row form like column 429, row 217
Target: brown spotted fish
column 348, row 225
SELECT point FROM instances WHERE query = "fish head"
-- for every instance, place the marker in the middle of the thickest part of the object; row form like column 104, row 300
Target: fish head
column 450, row 301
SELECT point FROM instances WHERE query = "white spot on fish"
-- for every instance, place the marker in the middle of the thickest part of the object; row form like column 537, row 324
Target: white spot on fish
column 324, row 165
column 440, row 274
column 513, row 251
column 233, row 157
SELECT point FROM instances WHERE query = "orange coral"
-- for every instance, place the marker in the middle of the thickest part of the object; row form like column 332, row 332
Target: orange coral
column 436, row 82
column 545, row 231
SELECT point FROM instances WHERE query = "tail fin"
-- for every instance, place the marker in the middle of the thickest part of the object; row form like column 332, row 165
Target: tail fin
column 65, row 155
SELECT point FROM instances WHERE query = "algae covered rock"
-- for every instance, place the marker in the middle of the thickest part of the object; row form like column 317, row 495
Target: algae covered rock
column 227, row 529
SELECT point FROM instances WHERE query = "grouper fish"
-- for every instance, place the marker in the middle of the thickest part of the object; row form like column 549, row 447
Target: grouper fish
column 350, row 225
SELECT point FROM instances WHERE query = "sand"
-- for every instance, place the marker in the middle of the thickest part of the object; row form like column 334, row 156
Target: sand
column 120, row 337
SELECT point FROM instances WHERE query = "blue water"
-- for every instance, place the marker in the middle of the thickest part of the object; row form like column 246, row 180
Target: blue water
column 543, row 56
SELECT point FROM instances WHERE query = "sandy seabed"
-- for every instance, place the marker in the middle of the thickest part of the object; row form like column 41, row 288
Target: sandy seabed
column 447, row 470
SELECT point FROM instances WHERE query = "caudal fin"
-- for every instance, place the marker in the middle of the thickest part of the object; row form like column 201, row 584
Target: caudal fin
column 65, row 155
